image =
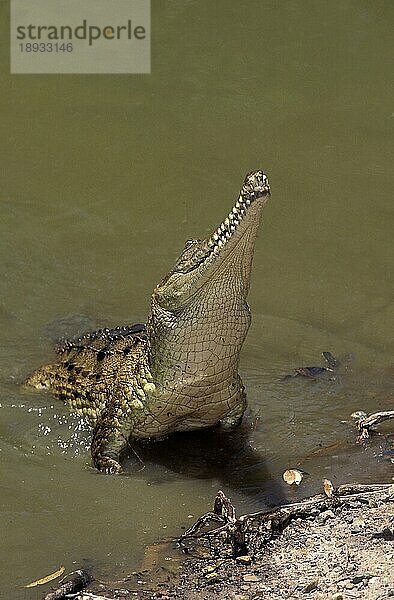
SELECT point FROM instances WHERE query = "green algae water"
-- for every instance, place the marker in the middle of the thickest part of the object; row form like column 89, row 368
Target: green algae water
column 104, row 177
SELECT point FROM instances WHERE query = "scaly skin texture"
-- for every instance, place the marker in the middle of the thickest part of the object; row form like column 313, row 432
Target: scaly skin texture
column 180, row 372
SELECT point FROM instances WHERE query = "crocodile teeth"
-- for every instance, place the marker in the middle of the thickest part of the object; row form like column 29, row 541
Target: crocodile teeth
column 229, row 225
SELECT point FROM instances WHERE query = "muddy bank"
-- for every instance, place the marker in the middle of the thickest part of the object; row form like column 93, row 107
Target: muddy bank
column 339, row 550
column 342, row 553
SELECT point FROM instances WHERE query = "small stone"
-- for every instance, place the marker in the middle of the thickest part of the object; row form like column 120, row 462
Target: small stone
column 360, row 577
column 251, row 578
column 212, row 577
column 210, row 569
column 328, row 514
column 337, row 596
column 349, row 585
column 355, row 530
column 240, row 597
column 310, row 587
column 244, row 560
column 348, row 519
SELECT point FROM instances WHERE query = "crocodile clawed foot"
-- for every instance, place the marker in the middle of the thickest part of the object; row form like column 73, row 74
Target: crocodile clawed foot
column 114, row 469
column 107, row 465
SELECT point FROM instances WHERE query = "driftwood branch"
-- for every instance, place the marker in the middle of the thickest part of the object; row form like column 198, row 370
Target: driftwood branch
column 371, row 420
column 249, row 533
column 77, row 583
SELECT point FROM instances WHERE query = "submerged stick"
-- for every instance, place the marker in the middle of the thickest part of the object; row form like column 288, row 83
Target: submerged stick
column 47, row 578
column 374, row 419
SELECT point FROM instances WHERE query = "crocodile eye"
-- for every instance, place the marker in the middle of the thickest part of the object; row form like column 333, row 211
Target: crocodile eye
column 190, row 243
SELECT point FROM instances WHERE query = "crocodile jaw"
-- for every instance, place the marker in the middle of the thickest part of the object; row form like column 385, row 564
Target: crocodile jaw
column 199, row 315
column 202, row 260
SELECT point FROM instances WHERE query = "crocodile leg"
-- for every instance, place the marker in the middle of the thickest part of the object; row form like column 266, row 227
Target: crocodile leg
column 112, row 430
column 108, row 441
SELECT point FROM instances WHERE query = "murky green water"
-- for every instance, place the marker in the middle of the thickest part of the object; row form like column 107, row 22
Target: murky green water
column 105, row 177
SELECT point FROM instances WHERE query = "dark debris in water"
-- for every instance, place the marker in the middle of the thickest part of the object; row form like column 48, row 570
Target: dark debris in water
column 77, row 581
column 316, row 372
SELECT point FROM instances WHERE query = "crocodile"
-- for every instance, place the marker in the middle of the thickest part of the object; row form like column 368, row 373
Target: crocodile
column 178, row 372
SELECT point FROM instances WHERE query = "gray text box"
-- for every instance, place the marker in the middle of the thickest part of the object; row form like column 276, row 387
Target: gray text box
column 70, row 36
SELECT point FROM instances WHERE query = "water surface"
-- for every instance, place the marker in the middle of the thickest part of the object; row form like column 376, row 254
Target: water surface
column 105, row 177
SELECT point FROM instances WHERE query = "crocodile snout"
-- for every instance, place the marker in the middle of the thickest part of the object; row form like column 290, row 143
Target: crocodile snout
column 256, row 185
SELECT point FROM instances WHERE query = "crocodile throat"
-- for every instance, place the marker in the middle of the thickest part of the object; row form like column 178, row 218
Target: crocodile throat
column 199, row 316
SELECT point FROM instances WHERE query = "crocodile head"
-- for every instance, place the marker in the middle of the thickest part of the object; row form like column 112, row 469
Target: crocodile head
column 199, row 309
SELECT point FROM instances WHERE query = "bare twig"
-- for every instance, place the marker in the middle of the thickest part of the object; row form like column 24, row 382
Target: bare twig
column 346, row 557
column 80, row 580
column 249, row 533
column 373, row 419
